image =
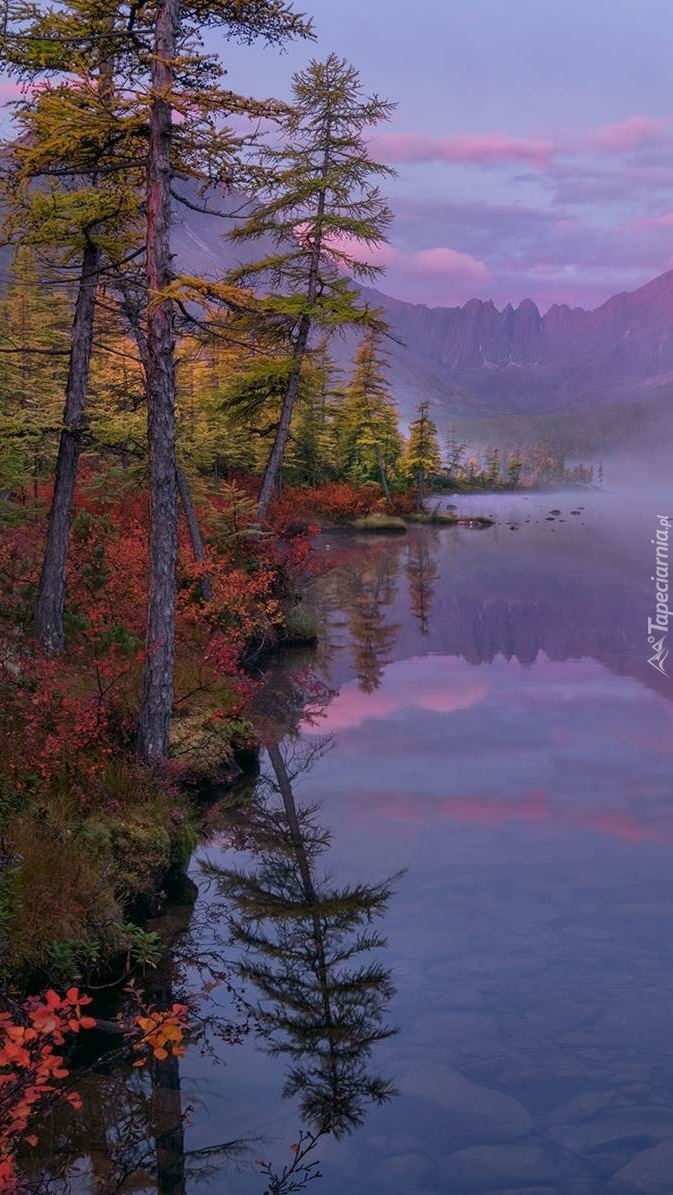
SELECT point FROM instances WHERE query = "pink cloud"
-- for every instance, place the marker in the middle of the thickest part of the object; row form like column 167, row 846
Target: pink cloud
column 10, row 90
column 496, row 149
column 568, row 225
column 437, row 684
column 482, row 149
column 531, row 807
column 654, row 222
column 380, row 254
column 443, row 261
column 440, row 262
column 626, row 135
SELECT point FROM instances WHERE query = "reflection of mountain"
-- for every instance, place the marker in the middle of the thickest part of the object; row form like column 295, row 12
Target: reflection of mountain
column 304, row 944
column 479, row 599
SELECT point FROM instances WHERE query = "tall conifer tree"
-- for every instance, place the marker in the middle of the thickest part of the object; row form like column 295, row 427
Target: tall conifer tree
column 369, row 440
column 159, row 64
column 423, row 455
column 319, row 205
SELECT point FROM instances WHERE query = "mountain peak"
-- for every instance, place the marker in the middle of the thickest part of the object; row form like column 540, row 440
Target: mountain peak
column 563, row 358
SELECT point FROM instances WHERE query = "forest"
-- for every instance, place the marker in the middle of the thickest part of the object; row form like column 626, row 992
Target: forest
column 170, row 444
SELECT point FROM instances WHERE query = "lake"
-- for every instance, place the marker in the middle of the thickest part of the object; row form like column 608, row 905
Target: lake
column 462, row 832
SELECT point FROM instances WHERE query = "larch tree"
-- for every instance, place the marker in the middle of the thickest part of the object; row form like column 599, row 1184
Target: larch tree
column 186, row 81
column 87, row 219
column 423, row 456
column 455, row 454
column 493, row 468
column 311, row 459
column 515, row 464
column 368, row 435
column 157, row 698
column 34, row 350
column 319, row 206
column 174, row 89
column 57, row 195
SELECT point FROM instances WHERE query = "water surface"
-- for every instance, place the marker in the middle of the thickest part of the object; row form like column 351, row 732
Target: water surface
column 483, row 730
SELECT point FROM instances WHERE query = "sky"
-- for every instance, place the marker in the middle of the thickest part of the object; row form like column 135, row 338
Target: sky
column 533, row 140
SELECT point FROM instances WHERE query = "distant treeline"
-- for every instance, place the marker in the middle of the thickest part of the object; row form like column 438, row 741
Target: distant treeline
column 541, row 465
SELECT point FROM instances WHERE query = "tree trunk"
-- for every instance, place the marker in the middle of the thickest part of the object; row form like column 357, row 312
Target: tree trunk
column 205, row 583
column 157, row 697
column 273, row 467
column 382, row 471
column 272, row 471
column 51, row 593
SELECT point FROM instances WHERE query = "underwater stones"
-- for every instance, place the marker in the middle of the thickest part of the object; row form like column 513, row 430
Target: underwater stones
column 488, row 1168
column 477, row 1113
column 649, row 1172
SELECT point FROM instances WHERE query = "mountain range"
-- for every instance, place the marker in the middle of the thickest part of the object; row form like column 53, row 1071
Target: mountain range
column 587, row 378
column 481, row 361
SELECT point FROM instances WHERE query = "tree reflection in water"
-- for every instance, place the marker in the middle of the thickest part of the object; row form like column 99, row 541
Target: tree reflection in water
column 422, row 573
column 304, row 944
column 321, row 1003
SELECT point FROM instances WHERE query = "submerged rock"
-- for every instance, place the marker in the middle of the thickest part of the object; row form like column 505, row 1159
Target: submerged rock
column 643, row 1127
column 477, row 1113
column 525, row 1191
column 583, row 1107
column 497, row 1168
column 409, row 1169
column 649, row 1172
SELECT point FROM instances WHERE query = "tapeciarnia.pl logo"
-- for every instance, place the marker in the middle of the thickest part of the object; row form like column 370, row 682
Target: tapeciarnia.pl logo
column 659, row 624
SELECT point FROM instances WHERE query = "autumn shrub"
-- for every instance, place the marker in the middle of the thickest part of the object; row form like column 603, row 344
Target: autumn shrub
column 35, row 1038
column 32, row 1070
column 85, row 830
column 336, row 502
column 403, row 502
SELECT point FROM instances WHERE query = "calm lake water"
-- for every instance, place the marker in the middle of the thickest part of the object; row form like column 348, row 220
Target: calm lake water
column 481, row 733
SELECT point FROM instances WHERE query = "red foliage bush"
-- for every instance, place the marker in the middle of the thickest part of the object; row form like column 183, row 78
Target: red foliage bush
column 336, row 502
column 89, row 696
column 33, row 1074
column 32, row 1071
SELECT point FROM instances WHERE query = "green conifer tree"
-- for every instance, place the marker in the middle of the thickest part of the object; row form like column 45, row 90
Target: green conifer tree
column 423, row 457
column 369, row 441
column 319, row 206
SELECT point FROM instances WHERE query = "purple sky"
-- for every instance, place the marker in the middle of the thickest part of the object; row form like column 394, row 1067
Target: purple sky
column 533, row 140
